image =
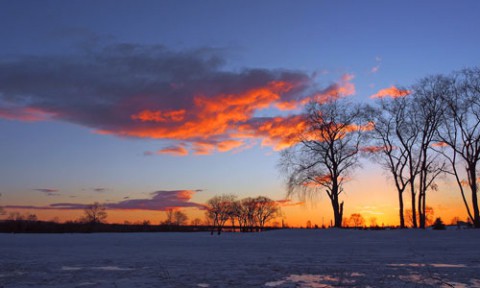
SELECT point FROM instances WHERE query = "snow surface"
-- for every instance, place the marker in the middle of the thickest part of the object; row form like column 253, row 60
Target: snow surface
column 283, row 258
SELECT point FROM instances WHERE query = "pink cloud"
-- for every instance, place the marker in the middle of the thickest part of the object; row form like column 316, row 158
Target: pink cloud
column 392, row 92
column 289, row 203
column 174, row 150
column 27, row 114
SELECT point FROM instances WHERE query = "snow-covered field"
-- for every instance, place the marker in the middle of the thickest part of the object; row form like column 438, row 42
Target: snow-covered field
column 284, row 258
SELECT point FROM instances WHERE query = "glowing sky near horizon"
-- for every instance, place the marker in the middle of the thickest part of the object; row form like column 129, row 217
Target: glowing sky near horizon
column 156, row 104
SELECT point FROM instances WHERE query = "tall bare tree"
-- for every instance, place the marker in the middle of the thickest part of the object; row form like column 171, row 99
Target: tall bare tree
column 460, row 132
column 326, row 152
column 246, row 214
column 429, row 109
column 170, row 215
column 395, row 136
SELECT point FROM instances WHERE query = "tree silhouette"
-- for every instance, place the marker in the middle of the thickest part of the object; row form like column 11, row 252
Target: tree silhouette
column 428, row 113
column 460, row 132
column 219, row 210
column 180, row 218
column 397, row 137
column 95, row 213
column 196, row 222
column 326, row 151
column 429, row 213
column 265, row 210
column 357, row 220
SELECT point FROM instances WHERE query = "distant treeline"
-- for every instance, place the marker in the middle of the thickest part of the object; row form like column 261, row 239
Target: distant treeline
column 25, row 226
column 11, row 226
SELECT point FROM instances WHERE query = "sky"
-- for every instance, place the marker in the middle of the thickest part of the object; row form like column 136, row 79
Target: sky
column 150, row 105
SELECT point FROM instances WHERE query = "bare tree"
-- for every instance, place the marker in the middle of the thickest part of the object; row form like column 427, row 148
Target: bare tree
column 357, row 220
column 15, row 216
column 429, row 110
column 170, row 215
column 196, row 222
column 429, row 214
column 396, row 137
column 179, row 218
column 95, row 213
column 32, row 217
column 235, row 214
column 246, row 210
column 265, row 210
column 326, row 152
column 219, row 211
column 406, row 129
column 460, row 132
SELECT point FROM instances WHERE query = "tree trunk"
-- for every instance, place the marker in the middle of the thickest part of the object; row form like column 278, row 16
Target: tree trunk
column 400, row 202
column 337, row 212
column 421, row 211
column 414, row 209
column 473, row 187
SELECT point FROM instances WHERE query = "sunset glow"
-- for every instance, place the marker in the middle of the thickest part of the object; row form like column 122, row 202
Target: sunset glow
column 164, row 106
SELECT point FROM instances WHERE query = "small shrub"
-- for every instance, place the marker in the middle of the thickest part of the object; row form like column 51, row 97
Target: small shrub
column 438, row 224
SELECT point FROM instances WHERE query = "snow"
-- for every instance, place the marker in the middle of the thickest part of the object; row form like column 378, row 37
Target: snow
column 283, row 258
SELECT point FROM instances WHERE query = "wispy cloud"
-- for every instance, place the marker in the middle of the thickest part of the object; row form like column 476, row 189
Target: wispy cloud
column 392, row 92
column 371, row 149
column 289, row 203
column 178, row 150
column 375, row 68
column 47, row 191
column 153, row 92
column 370, row 210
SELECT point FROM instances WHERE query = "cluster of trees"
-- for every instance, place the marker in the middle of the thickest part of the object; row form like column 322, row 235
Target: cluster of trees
column 175, row 218
column 251, row 214
column 427, row 130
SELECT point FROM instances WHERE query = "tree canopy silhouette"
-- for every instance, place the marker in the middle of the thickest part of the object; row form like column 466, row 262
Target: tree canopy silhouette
column 326, row 151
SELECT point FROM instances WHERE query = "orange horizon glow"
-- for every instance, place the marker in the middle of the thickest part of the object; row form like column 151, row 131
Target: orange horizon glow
column 295, row 215
column 383, row 207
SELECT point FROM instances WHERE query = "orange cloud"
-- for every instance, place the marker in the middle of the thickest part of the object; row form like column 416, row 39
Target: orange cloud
column 27, row 114
column 174, row 150
column 159, row 116
column 392, row 92
column 228, row 145
column 343, row 88
column 371, row 149
column 209, row 116
column 203, row 148
column 439, row 144
column 289, row 203
column 321, row 180
column 204, row 106
column 277, row 132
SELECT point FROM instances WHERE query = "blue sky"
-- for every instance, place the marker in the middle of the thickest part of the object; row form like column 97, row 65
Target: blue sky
column 377, row 43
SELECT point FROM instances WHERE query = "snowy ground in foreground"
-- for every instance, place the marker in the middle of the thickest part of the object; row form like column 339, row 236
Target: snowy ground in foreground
column 284, row 258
